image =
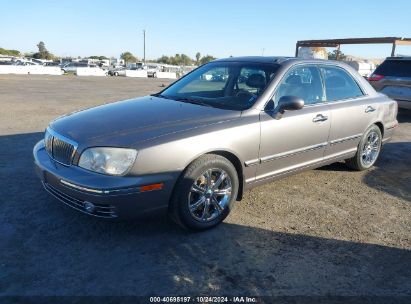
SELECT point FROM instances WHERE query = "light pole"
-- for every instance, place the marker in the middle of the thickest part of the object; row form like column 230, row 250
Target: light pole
column 144, row 42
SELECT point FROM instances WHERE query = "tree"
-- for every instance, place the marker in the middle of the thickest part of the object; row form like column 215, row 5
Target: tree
column 164, row 59
column 185, row 60
column 42, row 53
column 98, row 57
column 177, row 59
column 9, row 52
column 42, row 47
column 206, row 59
column 333, row 55
column 128, row 57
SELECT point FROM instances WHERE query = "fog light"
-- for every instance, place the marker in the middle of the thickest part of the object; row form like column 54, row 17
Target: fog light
column 89, row 207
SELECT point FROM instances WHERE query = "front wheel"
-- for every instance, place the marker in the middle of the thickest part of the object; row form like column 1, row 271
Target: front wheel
column 205, row 193
column 368, row 150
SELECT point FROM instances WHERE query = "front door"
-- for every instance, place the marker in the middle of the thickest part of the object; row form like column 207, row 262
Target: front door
column 300, row 137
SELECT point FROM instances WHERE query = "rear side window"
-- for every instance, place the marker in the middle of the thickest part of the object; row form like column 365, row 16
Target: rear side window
column 339, row 84
column 400, row 68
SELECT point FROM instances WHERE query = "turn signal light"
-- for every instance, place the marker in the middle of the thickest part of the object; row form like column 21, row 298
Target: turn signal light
column 151, row 187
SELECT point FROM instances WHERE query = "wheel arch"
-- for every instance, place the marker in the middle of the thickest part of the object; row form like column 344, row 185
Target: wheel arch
column 238, row 167
column 380, row 126
column 231, row 157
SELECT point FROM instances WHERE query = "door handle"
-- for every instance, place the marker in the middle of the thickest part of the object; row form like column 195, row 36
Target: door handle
column 320, row 118
column 369, row 109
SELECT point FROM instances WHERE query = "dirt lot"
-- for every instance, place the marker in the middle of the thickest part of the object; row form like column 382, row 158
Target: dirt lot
column 329, row 231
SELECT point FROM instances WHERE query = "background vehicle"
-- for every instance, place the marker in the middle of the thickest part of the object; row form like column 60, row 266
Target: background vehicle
column 152, row 70
column 119, row 71
column 55, row 63
column 24, row 62
column 393, row 78
column 72, row 66
column 194, row 147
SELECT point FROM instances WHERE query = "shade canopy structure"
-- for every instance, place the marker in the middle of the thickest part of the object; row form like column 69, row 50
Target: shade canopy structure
column 338, row 42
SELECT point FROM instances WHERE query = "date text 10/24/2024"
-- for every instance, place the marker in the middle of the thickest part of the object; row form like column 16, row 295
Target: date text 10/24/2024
column 204, row 299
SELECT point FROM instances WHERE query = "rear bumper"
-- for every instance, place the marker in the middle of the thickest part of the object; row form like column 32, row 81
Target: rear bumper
column 112, row 196
column 389, row 131
column 404, row 104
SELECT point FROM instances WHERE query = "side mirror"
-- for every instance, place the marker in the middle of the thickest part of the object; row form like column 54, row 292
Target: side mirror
column 288, row 103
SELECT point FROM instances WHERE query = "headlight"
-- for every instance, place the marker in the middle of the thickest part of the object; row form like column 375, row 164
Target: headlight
column 113, row 161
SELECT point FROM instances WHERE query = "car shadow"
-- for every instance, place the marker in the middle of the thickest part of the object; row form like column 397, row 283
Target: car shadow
column 339, row 167
column 49, row 249
column 392, row 173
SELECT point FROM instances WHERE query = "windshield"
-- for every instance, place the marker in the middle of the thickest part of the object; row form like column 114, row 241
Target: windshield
column 226, row 85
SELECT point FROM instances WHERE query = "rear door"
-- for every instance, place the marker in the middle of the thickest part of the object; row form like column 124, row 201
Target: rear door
column 351, row 111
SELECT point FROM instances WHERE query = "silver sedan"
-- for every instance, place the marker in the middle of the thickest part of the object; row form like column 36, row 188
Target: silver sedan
column 195, row 147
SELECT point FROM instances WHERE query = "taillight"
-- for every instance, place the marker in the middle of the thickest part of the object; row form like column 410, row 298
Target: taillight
column 375, row 77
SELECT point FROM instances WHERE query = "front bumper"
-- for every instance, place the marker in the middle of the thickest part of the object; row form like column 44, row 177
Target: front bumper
column 111, row 196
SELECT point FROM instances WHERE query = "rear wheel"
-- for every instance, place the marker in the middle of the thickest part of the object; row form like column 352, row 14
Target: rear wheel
column 205, row 193
column 368, row 150
column 115, row 73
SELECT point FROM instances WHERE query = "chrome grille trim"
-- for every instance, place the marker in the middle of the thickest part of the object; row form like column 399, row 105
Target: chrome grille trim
column 59, row 147
column 105, row 211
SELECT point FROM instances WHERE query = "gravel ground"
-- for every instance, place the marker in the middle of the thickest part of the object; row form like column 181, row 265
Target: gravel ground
column 329, row 231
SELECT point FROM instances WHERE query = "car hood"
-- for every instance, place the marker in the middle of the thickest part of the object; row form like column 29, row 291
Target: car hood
column 128, row 122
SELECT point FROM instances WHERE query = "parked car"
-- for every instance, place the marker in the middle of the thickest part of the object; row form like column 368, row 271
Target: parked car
column 195, row 147
column 119, row 71
column 24, row 62
column 152, row 70
column 55, row 64
column 72, row 66
column 393, row 78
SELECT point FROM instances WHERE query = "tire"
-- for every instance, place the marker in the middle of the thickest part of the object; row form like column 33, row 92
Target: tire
column 116, row 74
column 191, row 196
column 368, row 150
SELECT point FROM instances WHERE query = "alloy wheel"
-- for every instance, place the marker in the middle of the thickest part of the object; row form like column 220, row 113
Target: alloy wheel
column 209, row 195
column 370, row 149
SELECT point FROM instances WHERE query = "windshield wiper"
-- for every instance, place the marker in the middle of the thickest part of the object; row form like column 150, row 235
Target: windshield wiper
column 182, row 99
column 162, row 96
column 193, row 101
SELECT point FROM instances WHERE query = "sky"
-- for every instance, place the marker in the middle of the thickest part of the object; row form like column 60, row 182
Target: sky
column 217, row 27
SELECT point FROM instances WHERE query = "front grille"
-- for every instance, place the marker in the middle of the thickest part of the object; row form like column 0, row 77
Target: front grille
column 106, row 211
column 59, row 148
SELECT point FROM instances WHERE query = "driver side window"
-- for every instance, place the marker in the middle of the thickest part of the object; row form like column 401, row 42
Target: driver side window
column 303, row 82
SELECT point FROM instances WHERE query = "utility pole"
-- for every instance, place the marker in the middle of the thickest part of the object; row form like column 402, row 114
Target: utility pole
column 144, row 37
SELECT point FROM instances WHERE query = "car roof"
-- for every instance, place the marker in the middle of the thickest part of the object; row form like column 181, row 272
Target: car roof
column 256, row 59
column 270, row 59
column 399, row 58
